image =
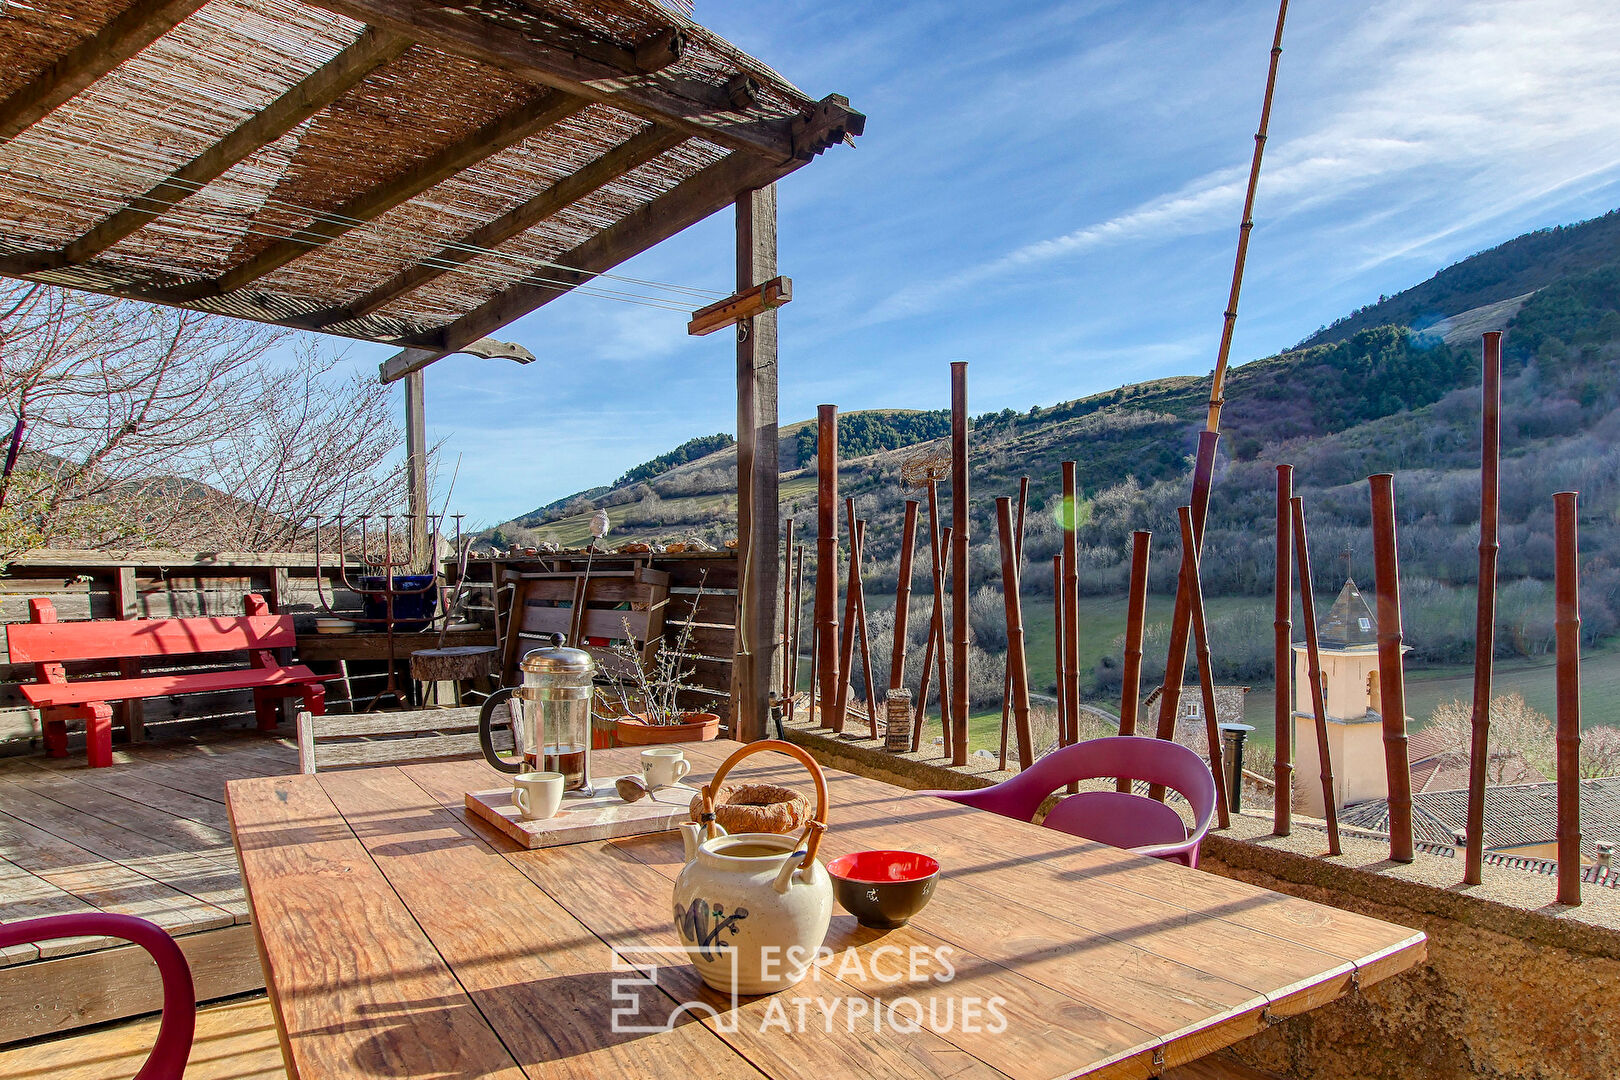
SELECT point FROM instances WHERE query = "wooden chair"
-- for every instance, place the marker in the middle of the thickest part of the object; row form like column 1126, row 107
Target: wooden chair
column 388, row 738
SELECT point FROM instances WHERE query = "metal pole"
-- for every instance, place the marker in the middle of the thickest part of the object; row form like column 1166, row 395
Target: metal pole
column 1391, row 667
column 1567, row 623
column 1490, row 456
column 1282, row 801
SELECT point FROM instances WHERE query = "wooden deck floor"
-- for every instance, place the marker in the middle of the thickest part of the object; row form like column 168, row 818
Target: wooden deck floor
column 147, row 837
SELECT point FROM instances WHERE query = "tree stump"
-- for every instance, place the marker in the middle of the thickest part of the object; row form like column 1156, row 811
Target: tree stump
column 459, row 665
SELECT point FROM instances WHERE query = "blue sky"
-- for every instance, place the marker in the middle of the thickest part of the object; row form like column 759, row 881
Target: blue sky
column 1051, row 191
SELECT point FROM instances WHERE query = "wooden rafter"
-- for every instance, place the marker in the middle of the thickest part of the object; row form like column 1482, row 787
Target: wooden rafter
column 326, row 84
column 132, row 30
column 503, row 131
column 512, row 37
column 683, row 205
column 745, row 304
column 637, row 150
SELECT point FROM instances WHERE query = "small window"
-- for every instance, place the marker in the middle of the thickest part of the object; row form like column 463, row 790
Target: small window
column 1366, row 624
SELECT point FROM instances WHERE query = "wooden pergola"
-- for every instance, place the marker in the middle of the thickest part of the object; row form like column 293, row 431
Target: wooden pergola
column 413, row 172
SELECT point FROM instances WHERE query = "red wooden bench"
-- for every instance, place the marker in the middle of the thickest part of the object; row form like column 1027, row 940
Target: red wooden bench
column 48, row 644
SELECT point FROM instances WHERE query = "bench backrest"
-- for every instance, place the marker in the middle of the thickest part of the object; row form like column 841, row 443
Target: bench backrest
column 44, row 640
column 391, row 738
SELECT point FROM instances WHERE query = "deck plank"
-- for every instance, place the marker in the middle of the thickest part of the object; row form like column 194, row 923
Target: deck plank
column 236, row 1041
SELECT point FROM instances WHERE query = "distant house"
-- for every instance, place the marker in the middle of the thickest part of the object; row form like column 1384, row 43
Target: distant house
column 1190, row 710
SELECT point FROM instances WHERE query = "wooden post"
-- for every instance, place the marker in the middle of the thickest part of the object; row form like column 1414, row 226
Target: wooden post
column 1018, row 557
column 1069, row 628
column 1206, row 679
column 1130, row 690
column 1016, row 663
column 1567, row 626
column 416, row 467
column 1282, row 629
column 902, row 598
column 826, row 654
column 1391, row 667
column 126, row 603
column 962, row 582
column 1313, row 668
column 757, row 473
column 1490, row 456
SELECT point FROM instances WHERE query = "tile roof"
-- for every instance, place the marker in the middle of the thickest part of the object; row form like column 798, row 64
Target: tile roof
column 1516, row 815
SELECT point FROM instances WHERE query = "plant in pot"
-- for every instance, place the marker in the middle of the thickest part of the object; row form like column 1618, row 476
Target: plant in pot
column 649, row 692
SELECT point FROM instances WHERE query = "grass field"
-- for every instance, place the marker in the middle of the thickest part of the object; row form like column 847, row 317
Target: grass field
column 576, row 531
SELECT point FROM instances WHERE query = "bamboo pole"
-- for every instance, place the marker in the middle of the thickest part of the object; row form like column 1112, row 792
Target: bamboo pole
column 902, row 598
column 1181, row 617
column 1490, row 457
column 1391, row 667
column 859, row 588
column 1069, row 628
column 1206, row 680
column 1567, row 623
column 832, row 712
column 934, row 651
column 785, row 697
column 1057, row 639
column 1007, row 679
column 815, row 657
column 1016, row 662
column 1218, row 384
column 846, row 639
column 1282, row 801
column 960, row 575
column 1130, row 690
column 947, row 686
column 1313, row 666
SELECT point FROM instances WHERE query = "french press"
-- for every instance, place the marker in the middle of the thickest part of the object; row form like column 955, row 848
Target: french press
column 551, row 717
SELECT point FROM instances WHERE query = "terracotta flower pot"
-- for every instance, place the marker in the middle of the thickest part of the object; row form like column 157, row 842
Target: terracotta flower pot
column 695, row 727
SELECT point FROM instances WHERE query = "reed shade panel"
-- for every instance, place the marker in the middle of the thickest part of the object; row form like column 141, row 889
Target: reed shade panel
column 1313, row 670
column 1567, row 628
column 1490, row 460
column 1282, row 802
column 1118, row 979
column 419, row 180
column 1391, row 667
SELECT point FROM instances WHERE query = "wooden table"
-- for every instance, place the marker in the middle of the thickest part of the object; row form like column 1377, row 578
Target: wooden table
column 402, row 939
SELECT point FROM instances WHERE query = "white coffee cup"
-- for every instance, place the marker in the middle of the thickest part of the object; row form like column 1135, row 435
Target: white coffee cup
column 537, row 794
column 663, row 766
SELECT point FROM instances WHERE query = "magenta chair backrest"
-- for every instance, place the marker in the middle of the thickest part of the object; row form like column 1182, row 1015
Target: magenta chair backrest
column 167, row 1061
column 1123, row 820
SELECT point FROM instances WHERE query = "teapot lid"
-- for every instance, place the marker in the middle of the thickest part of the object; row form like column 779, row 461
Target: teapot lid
column 554, row 659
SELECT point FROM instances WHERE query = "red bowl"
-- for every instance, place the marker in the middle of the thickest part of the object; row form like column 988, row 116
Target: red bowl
column 883, row 889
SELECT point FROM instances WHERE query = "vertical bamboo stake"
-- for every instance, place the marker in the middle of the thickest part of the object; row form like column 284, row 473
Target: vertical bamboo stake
column 798, row 620
column 1313, row 659
column 865, row 639
column 788, row 617
column 1016, row 662
column 1282, row 802
column 1007, row 681
column 934, row 651
column 1175, row 664
column 1218, row 384
column 947, row 685
column 815, row 659
column 846, row 639
column 1069, row 630
column 1391, row 667
column 960, row 576
column 1130, row 690
column 1490, row 456
column 1206, row 679
column 1057, row 638
column 902, row 598
column 826, row 654
column 1567, row 622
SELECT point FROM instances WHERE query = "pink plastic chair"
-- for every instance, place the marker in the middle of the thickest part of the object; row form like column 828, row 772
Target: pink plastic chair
column 1121, row 819
column 167, row 1061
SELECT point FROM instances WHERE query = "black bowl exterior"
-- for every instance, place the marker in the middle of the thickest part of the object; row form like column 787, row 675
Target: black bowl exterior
column 884, row 905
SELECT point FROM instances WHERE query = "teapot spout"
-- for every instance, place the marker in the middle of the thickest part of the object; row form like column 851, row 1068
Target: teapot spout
column 691, row 837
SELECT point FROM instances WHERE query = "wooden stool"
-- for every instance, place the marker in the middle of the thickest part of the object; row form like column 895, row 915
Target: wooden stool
column 460, row 664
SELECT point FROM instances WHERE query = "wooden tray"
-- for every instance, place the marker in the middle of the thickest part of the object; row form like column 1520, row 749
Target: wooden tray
column 604, row 817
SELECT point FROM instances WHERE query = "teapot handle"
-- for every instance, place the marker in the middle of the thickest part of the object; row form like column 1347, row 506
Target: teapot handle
column 810, row 839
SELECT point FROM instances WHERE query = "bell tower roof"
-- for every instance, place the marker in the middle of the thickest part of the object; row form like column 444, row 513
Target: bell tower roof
column 1350, row 622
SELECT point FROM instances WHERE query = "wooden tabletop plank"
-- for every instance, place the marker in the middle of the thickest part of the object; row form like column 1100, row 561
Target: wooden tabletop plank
column 358, row 987
column 542, row 980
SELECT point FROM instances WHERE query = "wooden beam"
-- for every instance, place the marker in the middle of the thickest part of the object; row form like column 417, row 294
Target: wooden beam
column 757, row 467
column 416, row 467
column 490, row 139
column 130, row 31
column 687, row 203
column 635, row 151
column 741, row 306
column 371, row 50
column 510, row 36
column 406, row 361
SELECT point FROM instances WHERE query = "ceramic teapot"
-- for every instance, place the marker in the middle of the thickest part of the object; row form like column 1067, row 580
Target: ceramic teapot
column 753, row 908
